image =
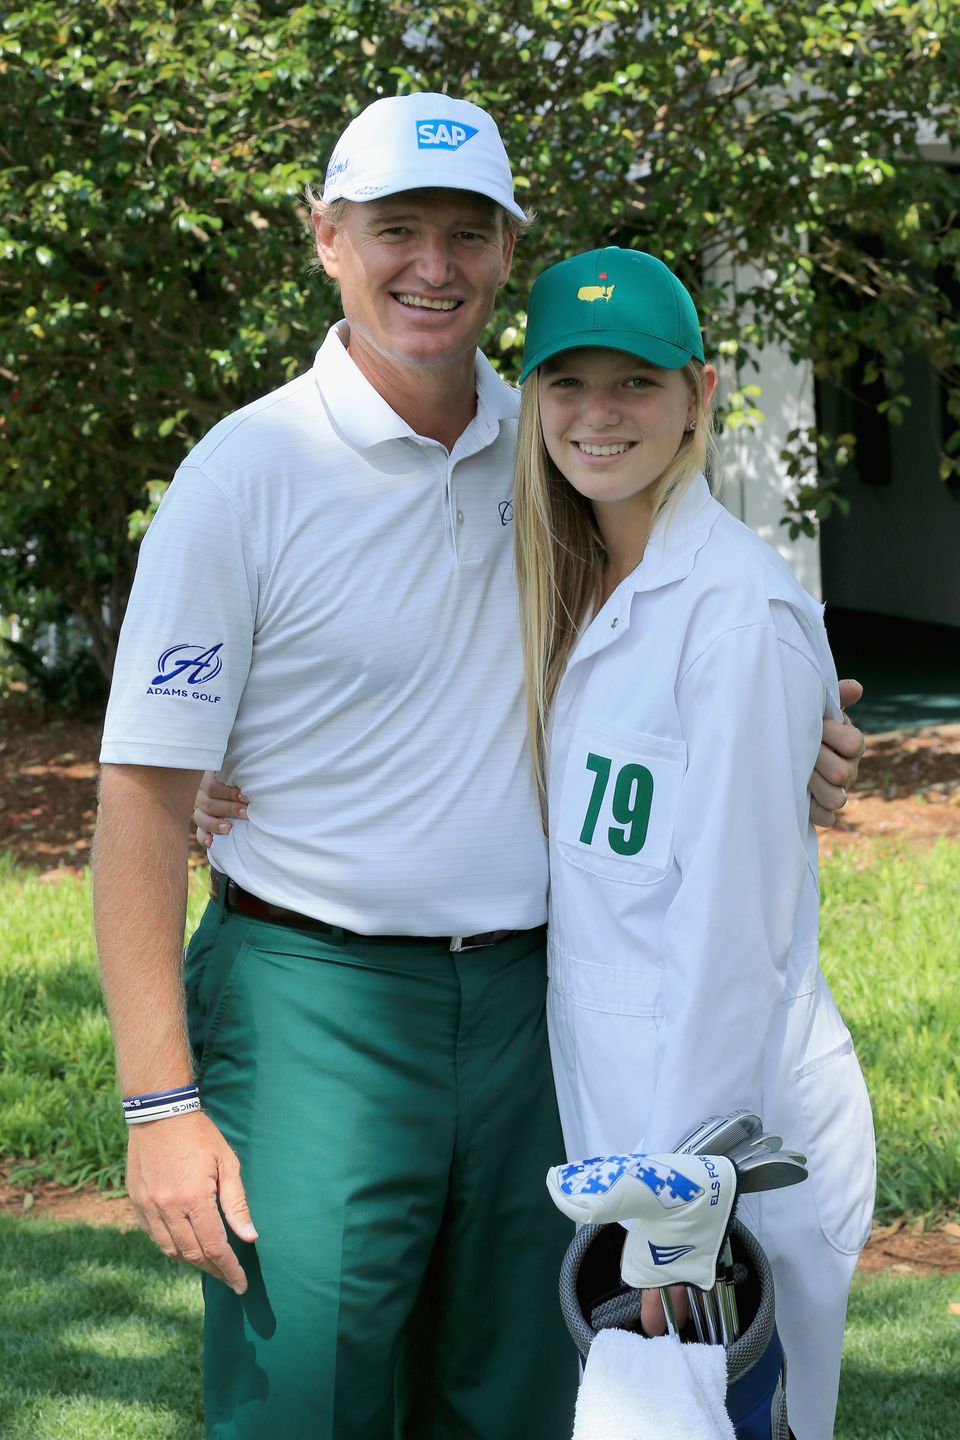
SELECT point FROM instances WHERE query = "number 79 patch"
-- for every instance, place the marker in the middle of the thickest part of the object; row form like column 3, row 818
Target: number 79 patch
column 619, row 801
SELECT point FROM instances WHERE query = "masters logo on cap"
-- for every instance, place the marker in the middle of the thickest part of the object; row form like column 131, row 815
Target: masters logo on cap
column 612, row 299
column 596, row 292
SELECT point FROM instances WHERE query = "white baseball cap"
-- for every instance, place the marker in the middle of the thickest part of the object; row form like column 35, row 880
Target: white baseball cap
column 420, row 142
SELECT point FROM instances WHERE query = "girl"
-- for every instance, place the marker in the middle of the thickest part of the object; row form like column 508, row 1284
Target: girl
column 677, row 677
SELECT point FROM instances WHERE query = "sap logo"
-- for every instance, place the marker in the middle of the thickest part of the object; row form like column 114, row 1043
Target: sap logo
column 189, row 662
column 442, row 134
column 595, row 292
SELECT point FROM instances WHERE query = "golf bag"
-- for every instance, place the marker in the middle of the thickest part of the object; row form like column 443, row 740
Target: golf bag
column 593, row 1298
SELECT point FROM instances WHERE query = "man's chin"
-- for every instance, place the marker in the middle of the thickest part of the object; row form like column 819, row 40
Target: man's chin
column 412, row 350
column 435, row 351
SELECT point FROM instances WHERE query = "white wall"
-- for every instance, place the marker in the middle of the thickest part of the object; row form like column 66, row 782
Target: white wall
column 756, row 480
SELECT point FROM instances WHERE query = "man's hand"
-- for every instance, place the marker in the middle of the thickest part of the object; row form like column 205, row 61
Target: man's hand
column 177, row 1170
column 838, row 762
column 216, row 807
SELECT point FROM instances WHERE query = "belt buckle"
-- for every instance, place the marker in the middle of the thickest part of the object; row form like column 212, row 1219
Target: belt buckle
column 456, row 943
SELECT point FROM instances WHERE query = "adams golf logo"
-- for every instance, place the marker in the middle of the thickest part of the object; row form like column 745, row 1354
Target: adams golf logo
column 443, row 134
column 183, row 666
column 339, row 165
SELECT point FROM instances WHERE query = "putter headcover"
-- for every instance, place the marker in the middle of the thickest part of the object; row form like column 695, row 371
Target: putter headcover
column 680, row 1205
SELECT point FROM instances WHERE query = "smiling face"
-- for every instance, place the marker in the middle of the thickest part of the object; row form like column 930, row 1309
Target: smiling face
column 612, row 424
column 418, row 275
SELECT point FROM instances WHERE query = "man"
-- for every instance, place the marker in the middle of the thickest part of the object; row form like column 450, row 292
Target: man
column 324, row 606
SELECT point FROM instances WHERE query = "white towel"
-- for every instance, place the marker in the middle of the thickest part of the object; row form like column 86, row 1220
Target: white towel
column 636, row 1388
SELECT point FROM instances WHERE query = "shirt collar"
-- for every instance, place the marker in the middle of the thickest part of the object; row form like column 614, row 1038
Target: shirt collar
column 669, row 555
column 495, row 397
column 362, row 416
column 680, row 532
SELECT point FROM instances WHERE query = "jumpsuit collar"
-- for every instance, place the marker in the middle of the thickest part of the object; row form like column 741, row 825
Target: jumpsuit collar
column 670, row 552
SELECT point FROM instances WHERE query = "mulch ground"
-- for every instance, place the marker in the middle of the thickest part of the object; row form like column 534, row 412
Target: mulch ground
column 908, row 793
column 909, row 790
column 48, row 792
column 908, row 1248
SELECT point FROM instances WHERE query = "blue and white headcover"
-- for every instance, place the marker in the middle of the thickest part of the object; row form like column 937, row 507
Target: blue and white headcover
column 680, row 1206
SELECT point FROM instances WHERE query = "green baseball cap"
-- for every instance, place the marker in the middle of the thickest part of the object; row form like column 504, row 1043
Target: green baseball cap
column 615, row 300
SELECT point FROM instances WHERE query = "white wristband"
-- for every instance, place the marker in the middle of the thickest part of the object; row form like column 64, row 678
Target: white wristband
column 161, row 1104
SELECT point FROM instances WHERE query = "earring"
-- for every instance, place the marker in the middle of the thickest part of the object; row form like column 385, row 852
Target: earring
column 692, row 425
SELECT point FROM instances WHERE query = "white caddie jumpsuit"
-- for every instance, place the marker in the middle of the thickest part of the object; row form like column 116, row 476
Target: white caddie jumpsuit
column 683, row 949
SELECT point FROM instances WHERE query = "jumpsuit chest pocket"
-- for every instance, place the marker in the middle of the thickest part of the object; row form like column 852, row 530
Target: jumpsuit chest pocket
column 618, row 804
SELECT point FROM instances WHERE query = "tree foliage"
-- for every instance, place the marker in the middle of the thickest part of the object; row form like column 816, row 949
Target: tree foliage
column 156, row 267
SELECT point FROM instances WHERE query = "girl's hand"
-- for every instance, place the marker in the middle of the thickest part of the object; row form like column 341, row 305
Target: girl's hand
column 216, row 807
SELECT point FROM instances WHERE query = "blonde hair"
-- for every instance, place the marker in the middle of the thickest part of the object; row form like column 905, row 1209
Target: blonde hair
column 560, row 553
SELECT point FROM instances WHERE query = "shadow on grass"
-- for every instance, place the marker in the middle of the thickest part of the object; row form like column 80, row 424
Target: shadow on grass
column 100, row 1339
column 97, row 1315
column 900, row 1378
column 879, row 1402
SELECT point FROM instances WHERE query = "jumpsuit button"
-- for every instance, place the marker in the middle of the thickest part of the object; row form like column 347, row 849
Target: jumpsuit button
column 459, row 517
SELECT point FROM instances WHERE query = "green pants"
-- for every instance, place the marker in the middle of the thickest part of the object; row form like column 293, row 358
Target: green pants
column 394, row 1115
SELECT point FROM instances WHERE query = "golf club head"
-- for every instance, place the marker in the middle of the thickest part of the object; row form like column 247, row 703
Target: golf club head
column 770, row 1172
column 718, row 1134
column 760, row 1144
column 764, row 1157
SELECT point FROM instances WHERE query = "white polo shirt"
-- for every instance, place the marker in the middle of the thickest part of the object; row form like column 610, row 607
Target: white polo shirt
column 325, row 610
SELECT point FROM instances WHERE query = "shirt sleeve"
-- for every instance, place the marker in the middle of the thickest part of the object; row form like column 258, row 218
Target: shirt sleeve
column 751, row 711
column 187, row 637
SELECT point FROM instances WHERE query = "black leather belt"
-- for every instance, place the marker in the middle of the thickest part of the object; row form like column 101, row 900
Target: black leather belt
column 242, row 902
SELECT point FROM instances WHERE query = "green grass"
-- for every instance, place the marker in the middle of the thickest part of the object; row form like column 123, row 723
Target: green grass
column 100, row 1340
column 890, row 932
column 58, row 1099
column 890, row 927
column 901, row 1376
column 99, row 1336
